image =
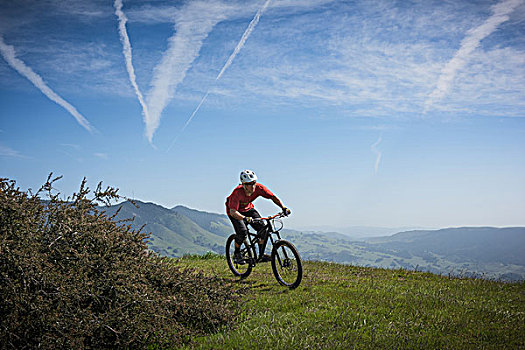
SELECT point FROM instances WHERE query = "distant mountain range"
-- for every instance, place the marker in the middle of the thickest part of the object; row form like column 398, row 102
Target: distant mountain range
column 471, row 251
column 360, row 232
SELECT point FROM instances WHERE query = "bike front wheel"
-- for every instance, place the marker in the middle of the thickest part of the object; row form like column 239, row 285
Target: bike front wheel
column 242, row 266
column 286, row 264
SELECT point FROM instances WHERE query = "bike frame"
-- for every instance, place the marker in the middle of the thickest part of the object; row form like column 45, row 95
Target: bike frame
column 285, row 259
column 253, row 238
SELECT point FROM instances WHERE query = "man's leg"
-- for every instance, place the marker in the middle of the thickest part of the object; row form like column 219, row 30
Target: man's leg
column 240, row 232
column 260, row 228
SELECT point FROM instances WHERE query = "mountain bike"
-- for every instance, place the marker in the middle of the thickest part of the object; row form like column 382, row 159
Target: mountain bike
column 286, row 262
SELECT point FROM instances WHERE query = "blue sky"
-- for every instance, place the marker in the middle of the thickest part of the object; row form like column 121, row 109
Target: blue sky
column 378, row 113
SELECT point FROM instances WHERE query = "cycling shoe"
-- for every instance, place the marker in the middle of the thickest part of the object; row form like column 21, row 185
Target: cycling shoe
column 265, row 258
column 237, row 258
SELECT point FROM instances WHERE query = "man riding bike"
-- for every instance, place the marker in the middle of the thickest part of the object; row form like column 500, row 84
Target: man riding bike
column 240, row 210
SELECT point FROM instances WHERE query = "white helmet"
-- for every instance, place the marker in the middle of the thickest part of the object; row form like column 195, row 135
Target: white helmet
column 248, row 176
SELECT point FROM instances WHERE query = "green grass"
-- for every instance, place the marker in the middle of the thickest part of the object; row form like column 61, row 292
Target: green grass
column 348, row 307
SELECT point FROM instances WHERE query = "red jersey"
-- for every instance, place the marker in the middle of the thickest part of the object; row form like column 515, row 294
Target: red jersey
column 239, row 201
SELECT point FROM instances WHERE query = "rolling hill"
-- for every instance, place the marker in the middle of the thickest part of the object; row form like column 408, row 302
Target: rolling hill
column 472, row 251
column 173, row 232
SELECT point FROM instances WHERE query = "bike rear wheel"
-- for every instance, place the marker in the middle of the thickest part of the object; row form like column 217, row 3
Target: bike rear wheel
column 240, row 267
column 286, row 264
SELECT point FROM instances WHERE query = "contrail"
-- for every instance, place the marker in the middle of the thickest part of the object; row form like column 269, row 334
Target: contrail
column 195, row 111
column 9, row 54
column 196, row 20
column 238, row 48
column 126, row 50
column 188, row 121
column 377, row 153
column 244, row 37
column 474, row 36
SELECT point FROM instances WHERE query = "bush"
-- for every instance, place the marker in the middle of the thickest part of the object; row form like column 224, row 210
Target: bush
column 70, row 277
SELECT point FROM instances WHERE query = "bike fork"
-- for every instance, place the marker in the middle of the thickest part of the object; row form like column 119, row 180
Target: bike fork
column 285, row 255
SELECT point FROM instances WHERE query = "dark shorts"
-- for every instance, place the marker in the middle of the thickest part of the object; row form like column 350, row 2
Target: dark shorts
column 240, row 226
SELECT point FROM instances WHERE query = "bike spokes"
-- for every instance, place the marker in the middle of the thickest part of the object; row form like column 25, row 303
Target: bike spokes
column 240, row 264
column 286, row 264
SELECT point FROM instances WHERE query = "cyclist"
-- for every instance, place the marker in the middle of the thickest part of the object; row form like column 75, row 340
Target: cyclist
column 240, row 210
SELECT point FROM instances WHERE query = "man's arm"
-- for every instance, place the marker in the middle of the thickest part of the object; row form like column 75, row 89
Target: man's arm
column 277, row 202
column 236, row 215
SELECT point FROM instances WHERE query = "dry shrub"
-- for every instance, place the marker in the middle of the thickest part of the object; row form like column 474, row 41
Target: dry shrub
column 70, row 277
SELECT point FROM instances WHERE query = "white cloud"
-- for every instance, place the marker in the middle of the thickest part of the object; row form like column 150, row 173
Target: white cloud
column 9, row 54
column 149, row 14
column 9, row 152
column 228, row 63
column 373, row 60
column 192, row 26
column 501, row 12
column 90, row 68
column 492, row 84
column 71, row 145
column 155, row 14
column 374, row 149
column 364, row 58
column 101, row 155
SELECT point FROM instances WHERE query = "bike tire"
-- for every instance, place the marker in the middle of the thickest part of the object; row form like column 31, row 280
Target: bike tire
column 240, row 270
column 286, row 264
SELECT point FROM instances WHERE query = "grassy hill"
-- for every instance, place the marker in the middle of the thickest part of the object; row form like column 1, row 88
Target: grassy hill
column 219, row 224
column 484, row 252
column 173, row 233
column 481, row 251
column 348, row 307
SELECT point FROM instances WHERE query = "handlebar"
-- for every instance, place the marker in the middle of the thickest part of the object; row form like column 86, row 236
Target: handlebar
column 280, row 215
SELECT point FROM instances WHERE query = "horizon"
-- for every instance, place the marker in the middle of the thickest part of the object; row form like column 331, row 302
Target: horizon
column 320, row 228
column 369, row 113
